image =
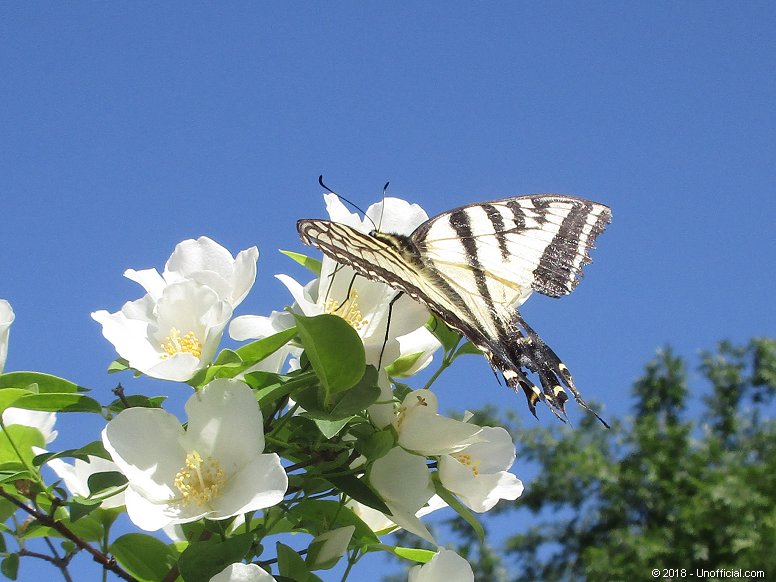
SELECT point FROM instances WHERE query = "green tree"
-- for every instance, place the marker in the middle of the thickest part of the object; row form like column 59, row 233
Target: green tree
column 666, row 488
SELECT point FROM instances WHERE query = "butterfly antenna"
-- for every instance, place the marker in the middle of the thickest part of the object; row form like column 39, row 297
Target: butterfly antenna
column 382, row 208
column 341, row 197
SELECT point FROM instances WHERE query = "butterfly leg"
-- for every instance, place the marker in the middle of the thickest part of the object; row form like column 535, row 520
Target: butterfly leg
column 388, row 327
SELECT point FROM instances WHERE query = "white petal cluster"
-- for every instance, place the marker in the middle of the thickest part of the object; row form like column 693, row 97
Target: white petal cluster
column 478, row 474
column 472, row 463
column 214, row 469
column 174, row 330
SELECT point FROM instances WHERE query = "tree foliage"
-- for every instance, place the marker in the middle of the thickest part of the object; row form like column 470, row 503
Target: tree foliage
column 686, row 482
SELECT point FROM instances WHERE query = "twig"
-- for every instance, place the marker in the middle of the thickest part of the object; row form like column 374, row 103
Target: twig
column 106, row 562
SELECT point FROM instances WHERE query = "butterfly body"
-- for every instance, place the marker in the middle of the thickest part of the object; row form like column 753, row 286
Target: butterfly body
column 472, row 266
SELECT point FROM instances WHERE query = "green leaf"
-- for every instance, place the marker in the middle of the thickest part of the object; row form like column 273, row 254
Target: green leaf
column 24, row 438
column 202, row 560
column 359, row 397
column 10, row 566
column 378, row 444
column 118, row 365
column 330, row 428
column 58, row 402
column 335, row 350
column 79, row 508
column 317, row 516
column 291, row 564
column 143, row 556
column 230, row 363
column 448, row 337
column 9, row 396
column 10, row 474
column 403, row 364
column 313, row 265
column 86, row 528
column 468, row 348
column 355, row 488
column 105, row 484
column 136, row 401
column 283, row 387
column 458, row 507
column 414, row 554
column 94, row 448
column 343, row 405
column 256, row 351
column 227, row 356
column 45, row 382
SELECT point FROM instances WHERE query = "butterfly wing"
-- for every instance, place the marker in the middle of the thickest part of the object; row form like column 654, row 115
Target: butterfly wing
column 473, row 265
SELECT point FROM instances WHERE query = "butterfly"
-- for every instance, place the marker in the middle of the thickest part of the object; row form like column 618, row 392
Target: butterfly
column 473, row 265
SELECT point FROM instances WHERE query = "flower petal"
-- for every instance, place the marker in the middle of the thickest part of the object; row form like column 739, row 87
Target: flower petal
column 259, row 484
column 240, row 572
column 402, row 478
column 150, row 279
column 445, row 566
column 395, row 215
column 145, row 444
column 222, row 414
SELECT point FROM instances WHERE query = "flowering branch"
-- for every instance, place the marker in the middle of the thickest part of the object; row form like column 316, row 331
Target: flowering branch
column 306, row 426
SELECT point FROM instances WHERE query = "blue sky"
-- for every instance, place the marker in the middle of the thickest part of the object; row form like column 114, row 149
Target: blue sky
column 125, row 129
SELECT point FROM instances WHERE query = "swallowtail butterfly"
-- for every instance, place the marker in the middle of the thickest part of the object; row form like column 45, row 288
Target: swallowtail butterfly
column 472, row 266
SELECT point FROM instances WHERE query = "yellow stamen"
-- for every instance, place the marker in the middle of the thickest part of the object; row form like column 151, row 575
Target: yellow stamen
column 200, row 480
column 466, row 459
column 177, row 344
column 350, row 311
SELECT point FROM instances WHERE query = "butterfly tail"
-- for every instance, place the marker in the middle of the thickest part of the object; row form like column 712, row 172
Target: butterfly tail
column 513, row 365
column 553, row 374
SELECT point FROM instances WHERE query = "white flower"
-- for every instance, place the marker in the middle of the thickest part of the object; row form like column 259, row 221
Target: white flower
column 478, row 473
column 445, row 566
column 172, row 337
column 404, row 483
column 214, row 469
column 240, row 572
column 367, row 305
column 6, row 319
column 326, row 549
column 76, row 477
column 425, row 432
column 206, row 262
column 43, row 421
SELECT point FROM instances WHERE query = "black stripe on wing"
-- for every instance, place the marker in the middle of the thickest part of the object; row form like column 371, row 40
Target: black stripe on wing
column 560, row 265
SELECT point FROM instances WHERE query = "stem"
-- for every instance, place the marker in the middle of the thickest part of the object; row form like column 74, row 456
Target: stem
column 119, row 392
column 352, row 559
column 446, row 361
column 49, row 521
